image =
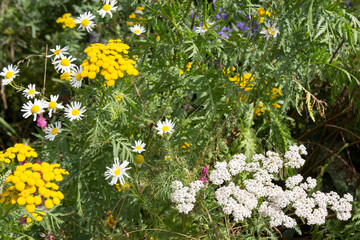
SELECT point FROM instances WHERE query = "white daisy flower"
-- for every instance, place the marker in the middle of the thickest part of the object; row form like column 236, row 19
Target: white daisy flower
column 58, row 51
column 204, row 28
column 74, row 111
column 109, row 5
column 52, row 131
column 53, row 105
column 85, row 21
column 9, row 73
column 34, row 109
column 168, row 158
column 76, row 78
column 270, row 30
column 165, row 127
column 30, row 92
column 139, row 146
column 137, row 29
column 65, row 64
column 117, row 172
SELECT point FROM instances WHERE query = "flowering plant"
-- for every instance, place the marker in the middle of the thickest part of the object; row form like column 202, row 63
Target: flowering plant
column 180, row 119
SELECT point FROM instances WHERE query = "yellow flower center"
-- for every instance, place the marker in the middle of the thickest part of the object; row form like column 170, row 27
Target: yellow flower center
column 271, row 31
column 117, row 171
column 78, row 77
column 57, row 52
column 35, row 109
column 137, row 31
column 65, row 62
column 52, row 105
column 168, row 158
column 31, row 91
column 85, row 22
column 75, row 112
column 106, row 7
column 165, row 128
column 9, row 75
column 204, row 27
column 54, row 131
column 138, row 147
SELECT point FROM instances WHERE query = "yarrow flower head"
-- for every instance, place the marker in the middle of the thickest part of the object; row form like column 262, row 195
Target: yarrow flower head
column 58, row 52
column 9, row 73
column 76, row 78
column 109, row 5
column 53, row 105
column 166, row 126
column 34, row 109
column 139, row 146
column 138, row 29
column 65, row 64
column 85, row 21
column 74, row 111
column 270, row 30
column 52, row 131
column 30, row 92
column 117, row 172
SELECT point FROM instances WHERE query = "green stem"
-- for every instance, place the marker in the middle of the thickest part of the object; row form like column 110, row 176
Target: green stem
column 171, row 19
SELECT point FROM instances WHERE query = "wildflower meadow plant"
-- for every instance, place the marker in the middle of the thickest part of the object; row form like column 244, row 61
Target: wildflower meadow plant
column 180, row 119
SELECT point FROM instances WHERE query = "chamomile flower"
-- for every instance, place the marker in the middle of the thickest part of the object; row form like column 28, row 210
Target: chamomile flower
column 34, row 109
column 270, row 30
column 203, row 27
column 76, row 78
column 9, row 73
column 30, row 92
column 138, row 29
column 165, row 127
column 74, row 111
column 52, row 131
column 58, row 52
column 65, row 64
column 117, row 172
column 85, row 21
column 53, row 105
column 139, row 146
column 109, row 5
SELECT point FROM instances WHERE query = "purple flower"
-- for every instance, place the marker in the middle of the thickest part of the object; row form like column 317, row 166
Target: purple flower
column 204, row 173
column 243, row 26
column 22, row 220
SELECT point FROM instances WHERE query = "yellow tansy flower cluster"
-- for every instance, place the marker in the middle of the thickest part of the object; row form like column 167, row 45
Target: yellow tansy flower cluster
column 184, row 146
column 19, row 151
column 110, row 60
column 262, row 14
column 133, row 16
column 65, row 76
column 121, row 187
column 66, row 20
column 33, row 184
column 244, row 81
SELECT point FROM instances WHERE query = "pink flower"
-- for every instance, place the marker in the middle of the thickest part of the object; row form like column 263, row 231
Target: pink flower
column 41, row 122
column 204, row 173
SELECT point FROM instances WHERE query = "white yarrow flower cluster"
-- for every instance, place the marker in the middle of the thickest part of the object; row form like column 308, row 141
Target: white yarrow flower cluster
column 220, row 174
column 184, row 197
column 236, row 201
column 260, row 171
column 293, row 156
